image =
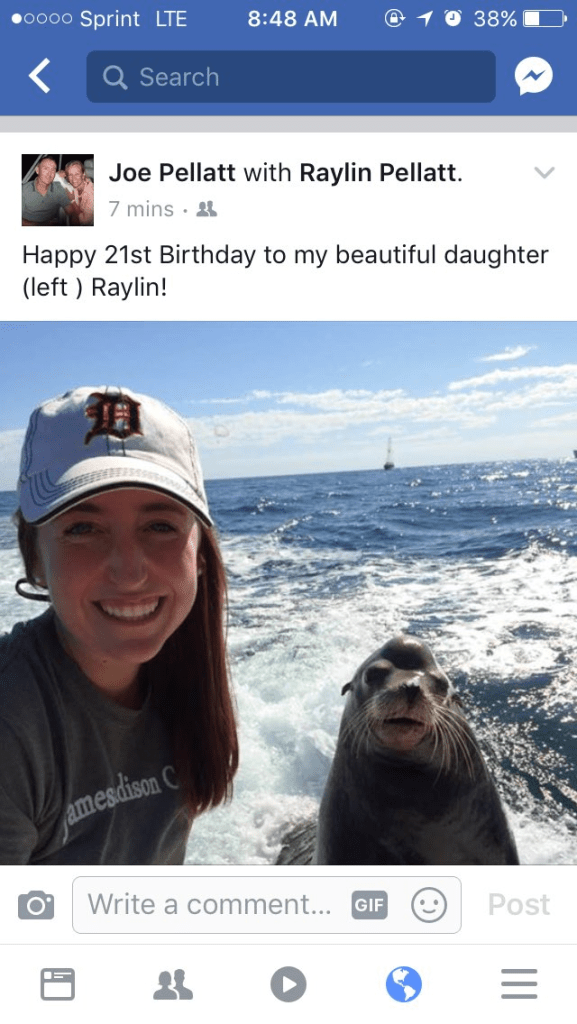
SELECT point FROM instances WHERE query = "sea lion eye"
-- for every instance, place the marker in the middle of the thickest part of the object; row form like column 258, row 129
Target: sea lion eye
column 439, row 683
column 376, row 675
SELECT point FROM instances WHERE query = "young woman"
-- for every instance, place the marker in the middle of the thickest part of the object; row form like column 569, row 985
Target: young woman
column 116, row 717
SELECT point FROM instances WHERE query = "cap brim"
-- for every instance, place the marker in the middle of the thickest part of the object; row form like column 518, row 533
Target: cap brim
column 42, row 499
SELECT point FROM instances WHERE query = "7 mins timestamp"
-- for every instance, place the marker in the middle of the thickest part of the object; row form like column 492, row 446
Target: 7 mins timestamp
column 290, row 19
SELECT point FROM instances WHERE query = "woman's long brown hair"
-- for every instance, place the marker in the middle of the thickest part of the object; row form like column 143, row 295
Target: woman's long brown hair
column 189, row 678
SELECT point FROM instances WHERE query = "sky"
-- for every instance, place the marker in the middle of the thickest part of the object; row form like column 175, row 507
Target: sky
column 303, row 397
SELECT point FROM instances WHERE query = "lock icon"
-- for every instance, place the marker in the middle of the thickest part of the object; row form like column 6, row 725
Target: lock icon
column 394, row 18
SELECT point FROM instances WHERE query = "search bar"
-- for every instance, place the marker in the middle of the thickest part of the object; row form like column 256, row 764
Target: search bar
column 289, row 76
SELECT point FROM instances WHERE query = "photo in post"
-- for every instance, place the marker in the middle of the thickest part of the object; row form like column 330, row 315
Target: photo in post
column 368, row 482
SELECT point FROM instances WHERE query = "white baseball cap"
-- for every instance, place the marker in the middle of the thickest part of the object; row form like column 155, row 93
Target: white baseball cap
column 95, row 439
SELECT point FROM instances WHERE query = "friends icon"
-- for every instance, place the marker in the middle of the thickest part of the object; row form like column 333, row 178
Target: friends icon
column 168, row 990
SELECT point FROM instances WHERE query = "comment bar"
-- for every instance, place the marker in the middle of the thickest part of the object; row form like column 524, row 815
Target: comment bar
column 216, row 76
column 272, row 905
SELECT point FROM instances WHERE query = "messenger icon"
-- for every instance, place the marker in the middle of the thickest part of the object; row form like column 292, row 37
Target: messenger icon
column 533, row 74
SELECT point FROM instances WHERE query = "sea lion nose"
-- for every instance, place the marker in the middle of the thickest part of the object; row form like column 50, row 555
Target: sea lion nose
column 411, row 690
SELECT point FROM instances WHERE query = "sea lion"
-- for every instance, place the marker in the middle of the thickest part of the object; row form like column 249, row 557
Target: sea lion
column 408, row 783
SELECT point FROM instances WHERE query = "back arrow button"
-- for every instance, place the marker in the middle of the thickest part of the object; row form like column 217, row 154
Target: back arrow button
column 35, row 73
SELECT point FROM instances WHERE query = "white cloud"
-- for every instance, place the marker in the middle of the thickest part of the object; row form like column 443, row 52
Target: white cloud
column 339, row 413
column 563, row 420
column 241, row 400
column 337, row 399
column 518, row 373
column 508, row 353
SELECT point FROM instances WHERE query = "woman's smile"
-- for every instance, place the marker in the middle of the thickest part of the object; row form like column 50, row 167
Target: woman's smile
column 132, row 612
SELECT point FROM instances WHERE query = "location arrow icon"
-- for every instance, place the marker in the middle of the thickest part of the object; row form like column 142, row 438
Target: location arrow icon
column 424, row 17
column 36, row 72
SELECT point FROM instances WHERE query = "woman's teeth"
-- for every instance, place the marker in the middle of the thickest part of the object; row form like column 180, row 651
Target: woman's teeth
column 131, row 611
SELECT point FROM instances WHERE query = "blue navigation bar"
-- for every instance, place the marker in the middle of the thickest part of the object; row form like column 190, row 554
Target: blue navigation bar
column 356, row 58
column 239, row 77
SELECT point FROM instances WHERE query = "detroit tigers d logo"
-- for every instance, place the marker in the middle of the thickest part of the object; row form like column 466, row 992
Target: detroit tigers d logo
column 116, row 415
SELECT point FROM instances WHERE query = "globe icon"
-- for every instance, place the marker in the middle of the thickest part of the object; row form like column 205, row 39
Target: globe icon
column 404, row 984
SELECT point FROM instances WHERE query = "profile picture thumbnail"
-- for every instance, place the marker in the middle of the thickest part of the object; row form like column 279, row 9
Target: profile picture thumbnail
column 57, row 190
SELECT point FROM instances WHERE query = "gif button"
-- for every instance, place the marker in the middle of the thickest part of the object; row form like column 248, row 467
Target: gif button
column 369, row 904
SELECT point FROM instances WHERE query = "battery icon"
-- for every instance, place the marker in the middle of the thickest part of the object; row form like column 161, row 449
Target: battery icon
column 544, row 19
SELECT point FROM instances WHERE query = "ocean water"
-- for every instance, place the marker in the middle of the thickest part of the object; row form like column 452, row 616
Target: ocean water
column 478, row 560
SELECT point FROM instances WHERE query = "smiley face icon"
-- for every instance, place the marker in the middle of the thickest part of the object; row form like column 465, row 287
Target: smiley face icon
column 429, row 905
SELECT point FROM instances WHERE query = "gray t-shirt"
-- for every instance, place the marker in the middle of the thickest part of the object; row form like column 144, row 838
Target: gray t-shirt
column 43, row 209
column 82, row 780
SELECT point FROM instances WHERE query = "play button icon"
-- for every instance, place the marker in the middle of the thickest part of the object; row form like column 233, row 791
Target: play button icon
column 288, row 984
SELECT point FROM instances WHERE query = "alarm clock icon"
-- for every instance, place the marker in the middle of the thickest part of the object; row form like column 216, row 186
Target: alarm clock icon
column 453, row 18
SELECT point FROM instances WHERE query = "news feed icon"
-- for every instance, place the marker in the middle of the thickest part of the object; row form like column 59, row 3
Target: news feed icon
column 57, row 983
column 35, row 905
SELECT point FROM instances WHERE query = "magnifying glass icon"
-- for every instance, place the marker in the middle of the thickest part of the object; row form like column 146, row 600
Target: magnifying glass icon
column 116, row 80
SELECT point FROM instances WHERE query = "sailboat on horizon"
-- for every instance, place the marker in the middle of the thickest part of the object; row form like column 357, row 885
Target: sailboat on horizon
column 389, row 462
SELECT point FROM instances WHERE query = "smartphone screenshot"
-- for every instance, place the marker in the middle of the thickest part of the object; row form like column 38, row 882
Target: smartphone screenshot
column 288, row 494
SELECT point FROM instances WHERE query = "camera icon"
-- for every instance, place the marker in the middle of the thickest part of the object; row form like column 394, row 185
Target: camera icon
column 36, row 905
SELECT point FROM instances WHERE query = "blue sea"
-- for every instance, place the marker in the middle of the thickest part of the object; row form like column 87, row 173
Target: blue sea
column 478, row 560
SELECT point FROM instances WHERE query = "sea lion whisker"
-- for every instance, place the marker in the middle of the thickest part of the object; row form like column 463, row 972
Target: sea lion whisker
column 442, row 743
column 435, row 732
column 348, row 728
column 461, row 736
column 438, row 745
column 357, row 733
column 368, row 734
column 451, row 758
column 456, row 744
column 364, row 734
column 462, row 746
column 467, row 742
